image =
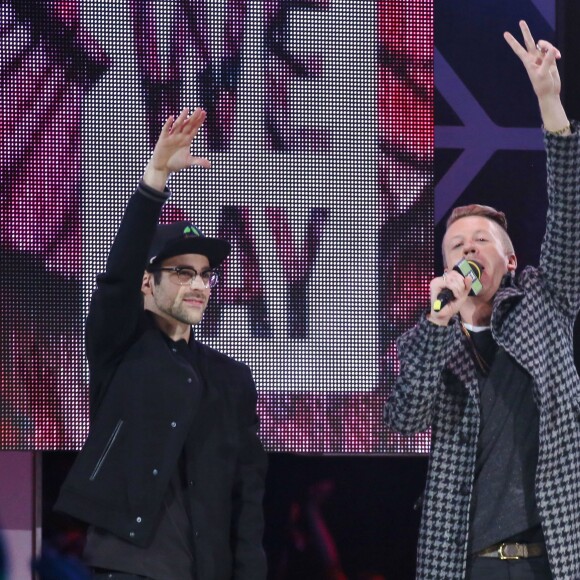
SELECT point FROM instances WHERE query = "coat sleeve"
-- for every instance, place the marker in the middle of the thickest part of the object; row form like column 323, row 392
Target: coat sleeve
column 559, row 255
column 422, row 357
column 248, row 493
column 116, row 308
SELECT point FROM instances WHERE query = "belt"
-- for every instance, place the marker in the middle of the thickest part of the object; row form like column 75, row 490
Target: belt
column 513, row 551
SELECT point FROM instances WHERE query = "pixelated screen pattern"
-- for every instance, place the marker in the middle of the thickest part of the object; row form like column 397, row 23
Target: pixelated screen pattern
column 320, row 132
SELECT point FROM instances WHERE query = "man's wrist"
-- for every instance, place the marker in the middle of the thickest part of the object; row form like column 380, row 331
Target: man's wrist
column 554, row 117
column 155, row 178
column 437, row 321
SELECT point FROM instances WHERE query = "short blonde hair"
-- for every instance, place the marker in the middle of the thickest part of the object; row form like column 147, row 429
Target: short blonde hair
column 485, row 211
column 476, row 209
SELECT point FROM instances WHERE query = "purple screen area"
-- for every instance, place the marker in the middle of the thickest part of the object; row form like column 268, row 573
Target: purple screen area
column 320, row 132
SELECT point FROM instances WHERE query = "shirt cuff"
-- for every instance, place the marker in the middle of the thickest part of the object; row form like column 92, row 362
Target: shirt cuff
column 152, row 193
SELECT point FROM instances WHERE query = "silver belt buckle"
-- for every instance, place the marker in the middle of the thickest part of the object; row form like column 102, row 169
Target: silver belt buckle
column 504, row 556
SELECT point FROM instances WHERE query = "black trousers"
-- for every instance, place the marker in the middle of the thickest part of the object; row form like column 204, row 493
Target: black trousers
column 496, row 569
column 100, row 574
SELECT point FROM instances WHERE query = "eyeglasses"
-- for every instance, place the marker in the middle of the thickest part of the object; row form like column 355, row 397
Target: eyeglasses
column 186, row 276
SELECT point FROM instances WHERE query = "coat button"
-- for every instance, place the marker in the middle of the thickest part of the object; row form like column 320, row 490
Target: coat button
column 131, row 534
column 189, row 379
column 173, row 424
column 138, row 519
column 155, row 472
column 173, row 350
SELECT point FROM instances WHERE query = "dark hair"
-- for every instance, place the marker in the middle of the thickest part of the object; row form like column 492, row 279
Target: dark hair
column 156, row 276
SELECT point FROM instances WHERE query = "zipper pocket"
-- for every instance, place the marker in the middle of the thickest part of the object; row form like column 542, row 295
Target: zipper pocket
column 103, row 456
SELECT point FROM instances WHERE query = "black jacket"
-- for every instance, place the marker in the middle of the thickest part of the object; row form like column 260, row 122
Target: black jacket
column 142, row 408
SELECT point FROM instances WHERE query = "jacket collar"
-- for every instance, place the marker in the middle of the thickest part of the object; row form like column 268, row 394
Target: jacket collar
column 509, row 292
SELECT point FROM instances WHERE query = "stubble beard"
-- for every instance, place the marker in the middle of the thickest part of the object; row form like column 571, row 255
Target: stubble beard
column 180, row 312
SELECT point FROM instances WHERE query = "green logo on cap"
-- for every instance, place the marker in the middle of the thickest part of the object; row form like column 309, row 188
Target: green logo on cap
column 191, row 231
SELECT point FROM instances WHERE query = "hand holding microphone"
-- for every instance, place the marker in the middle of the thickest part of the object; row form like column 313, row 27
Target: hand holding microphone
column 449, row 292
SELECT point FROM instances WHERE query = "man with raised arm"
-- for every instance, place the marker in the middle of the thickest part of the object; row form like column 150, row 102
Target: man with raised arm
column 171, row 477
column 493, row 376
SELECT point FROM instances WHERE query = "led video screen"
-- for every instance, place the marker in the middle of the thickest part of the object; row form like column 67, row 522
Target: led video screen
column 320, row 134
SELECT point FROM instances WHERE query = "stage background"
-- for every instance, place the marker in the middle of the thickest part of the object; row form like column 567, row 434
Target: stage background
column 367, row 504
column 320, row 130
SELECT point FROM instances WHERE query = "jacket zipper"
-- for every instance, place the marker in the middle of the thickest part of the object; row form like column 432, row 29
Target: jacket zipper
column 106, row 450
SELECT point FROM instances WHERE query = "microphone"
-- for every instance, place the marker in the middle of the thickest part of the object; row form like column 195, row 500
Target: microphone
column 467, row 268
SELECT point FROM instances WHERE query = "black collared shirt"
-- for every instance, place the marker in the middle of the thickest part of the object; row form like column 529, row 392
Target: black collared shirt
column 503, row 501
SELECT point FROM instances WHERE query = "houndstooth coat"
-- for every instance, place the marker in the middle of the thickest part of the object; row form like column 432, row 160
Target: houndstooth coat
column 437, row 387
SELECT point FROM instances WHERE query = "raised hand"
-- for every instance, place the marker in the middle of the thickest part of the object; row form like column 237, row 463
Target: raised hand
column 539, row 60
column 172, row 150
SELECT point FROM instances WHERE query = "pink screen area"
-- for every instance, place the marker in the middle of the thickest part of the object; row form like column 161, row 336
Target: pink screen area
column 320, row 130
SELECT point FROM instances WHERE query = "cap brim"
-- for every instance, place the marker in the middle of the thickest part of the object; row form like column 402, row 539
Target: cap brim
column 216, row 250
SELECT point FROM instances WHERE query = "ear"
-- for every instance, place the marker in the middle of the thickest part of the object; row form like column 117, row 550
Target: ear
column 147, row 284
column 512, row 263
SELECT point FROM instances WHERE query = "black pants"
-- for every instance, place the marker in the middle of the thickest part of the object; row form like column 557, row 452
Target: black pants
column 100, row 574
column 496, row 569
